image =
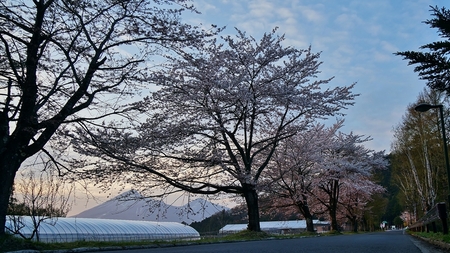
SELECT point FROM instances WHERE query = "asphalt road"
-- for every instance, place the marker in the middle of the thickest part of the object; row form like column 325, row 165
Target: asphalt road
column 391, row 241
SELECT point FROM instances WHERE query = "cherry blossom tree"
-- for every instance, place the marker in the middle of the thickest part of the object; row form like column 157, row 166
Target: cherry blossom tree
column 218, row 117
column 60, row 58
column 355, row 196
column 345, row 163
column 290, row 177
column 295, row 177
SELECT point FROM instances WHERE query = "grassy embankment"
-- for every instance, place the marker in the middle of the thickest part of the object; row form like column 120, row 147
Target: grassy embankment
column 434, row 236
column 10, row 243
column 438, row 239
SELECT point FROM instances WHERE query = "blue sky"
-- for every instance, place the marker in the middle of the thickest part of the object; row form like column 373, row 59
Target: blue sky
column 357, row 40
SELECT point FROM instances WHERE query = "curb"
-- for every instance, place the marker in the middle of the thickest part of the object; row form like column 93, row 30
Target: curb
column 440, row 244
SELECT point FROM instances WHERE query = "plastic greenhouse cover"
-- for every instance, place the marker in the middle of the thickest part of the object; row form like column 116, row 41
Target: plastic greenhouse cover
column 87, row 229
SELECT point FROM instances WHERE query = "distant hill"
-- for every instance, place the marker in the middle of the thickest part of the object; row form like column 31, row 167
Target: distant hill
column 132, row 205
column 212, row 225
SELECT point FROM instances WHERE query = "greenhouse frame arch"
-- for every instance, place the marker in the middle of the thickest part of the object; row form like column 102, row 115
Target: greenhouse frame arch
column 87, row 229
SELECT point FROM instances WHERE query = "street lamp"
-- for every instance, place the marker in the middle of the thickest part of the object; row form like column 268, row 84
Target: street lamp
column 424, row 108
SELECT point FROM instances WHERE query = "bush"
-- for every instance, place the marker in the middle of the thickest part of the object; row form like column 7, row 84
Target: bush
column 11, row 243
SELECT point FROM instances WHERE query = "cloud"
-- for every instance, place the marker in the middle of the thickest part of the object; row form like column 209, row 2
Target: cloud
column 357, row 40
column 309, row 13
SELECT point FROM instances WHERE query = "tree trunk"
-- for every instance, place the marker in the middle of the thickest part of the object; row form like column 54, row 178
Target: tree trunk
column 251, row 199
column 334, row 224
column 333, row 205
column 304, row 210
column 309, row 224
column 355, row 224
column 8, row 168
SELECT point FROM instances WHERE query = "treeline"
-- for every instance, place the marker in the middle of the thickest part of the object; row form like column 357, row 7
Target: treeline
column 418, row 161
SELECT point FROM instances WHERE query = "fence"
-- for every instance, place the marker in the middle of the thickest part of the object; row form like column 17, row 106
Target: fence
column 437, row 213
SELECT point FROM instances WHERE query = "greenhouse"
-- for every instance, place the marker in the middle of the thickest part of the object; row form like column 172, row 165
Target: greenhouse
column 86, row 229
column 279, row 227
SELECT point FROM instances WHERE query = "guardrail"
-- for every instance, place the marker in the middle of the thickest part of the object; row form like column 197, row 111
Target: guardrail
column 437, row 213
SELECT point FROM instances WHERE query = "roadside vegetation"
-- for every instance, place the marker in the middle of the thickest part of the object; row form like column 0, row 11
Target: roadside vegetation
column 439, row 237
column 10, row 243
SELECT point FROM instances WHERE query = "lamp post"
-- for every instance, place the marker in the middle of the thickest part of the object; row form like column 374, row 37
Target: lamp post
column 424, row 108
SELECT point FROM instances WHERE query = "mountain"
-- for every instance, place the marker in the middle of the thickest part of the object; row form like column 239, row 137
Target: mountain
column 132, row 205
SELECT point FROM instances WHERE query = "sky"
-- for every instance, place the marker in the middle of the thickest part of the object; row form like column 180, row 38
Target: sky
column 357, row 40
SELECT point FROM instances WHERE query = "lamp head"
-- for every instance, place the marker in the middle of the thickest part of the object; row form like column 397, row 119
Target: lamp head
column 425, row 107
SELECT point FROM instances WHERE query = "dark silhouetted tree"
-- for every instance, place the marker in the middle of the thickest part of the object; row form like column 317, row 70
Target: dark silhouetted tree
column 60, row 58
column 432, row 64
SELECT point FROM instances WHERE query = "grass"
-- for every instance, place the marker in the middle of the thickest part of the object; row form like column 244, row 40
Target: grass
column 438, row 239
column 246, row 235
column 433, row 236
column 10, row 243
column 13, row 244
